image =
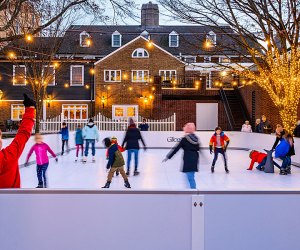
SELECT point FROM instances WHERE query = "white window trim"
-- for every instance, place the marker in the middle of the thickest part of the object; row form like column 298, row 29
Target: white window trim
column 174, row 33
column 110, row 75
column 209, row 35
column 84, row 33
column 125, row 107
column 25, row 77
column 189, row 57
column 116, row 33
column 54, row 77
column 87, row 111
column 71, row 75
column 165, row 70
column 140, row 49
column 11, row 111
column 136, row 70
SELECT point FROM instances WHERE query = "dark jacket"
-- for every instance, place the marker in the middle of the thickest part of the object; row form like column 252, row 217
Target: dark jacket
column 278, row 138
column 297, row 131
column 78, row 137
column 265, row 127
column 64, row 133
column 144, row 127
column 112, row 161
column 258, row 128
column 132, row 137
column 190, row 146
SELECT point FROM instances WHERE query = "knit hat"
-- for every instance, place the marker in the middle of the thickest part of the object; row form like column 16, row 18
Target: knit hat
column 131, row 122
column 189, row 128
column 114, row 138
column 91, row 120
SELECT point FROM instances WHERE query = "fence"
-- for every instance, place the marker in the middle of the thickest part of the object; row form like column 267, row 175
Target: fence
column 53, row 125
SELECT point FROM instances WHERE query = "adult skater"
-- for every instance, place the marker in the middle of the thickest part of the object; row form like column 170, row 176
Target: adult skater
column 9, row 156
column 91, row 136
column 190, row 145
column 279, row 132
column 64, row 138
column 41, row 149
column 218, row 144
column 132, row 137
column 281, row 152
column 115, row 162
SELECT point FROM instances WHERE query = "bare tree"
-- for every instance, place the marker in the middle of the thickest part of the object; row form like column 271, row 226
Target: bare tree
column 268, row 31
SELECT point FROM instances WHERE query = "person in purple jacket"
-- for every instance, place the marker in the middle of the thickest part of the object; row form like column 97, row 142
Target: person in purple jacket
column 40, row 148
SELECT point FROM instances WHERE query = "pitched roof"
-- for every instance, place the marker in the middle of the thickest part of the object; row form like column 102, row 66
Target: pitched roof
column 191, row 39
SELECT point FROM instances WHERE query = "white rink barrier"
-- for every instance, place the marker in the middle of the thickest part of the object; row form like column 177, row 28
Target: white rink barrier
column 238, row 140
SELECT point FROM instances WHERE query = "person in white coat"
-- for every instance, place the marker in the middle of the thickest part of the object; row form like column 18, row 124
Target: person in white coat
column 246, row 127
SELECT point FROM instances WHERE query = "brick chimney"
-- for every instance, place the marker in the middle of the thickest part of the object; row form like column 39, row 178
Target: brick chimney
column 150, row 14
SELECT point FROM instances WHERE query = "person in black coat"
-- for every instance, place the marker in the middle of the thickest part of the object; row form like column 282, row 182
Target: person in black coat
column 144, row 126
column 132, row 137
column 190, row 145
column 297, row 130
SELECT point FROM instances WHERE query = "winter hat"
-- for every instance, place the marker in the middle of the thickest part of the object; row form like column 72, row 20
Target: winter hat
column 189, row 128
column 114, row 139
column 107, row 142
column 91, row 120
column 131, row 122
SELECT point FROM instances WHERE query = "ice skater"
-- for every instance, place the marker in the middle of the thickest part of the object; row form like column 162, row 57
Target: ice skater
column 78, row 142
column 91, row 136
column 190, row 145
column 281, row 152
column 64, row 138
column 114, row 140
column 41, row 149
column 115, row 163
column 218, row 144
column 9, row 156
column 260, row 158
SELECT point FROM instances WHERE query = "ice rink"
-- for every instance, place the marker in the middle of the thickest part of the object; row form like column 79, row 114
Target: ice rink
column 155, row 175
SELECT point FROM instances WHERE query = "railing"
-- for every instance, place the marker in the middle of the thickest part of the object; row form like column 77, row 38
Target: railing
column 53, row 125
column 243, row 105
column 182, row 81
column 227, row 108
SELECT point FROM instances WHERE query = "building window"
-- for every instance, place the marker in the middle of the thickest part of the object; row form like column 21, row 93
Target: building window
column 120, row 112
column 85, row 39
column 173, row 39
column 116, row 39
column 145, row 34
column 140, row 53
column 49, row 75
column 207, row 59
column 112, row 75
column 77, row 75
column 168, row 75
column 211, row 38
column 19, row 75
column 224, row 59
column 140, row 75
column 75, row 111
column 190, row 59
column 17, row 111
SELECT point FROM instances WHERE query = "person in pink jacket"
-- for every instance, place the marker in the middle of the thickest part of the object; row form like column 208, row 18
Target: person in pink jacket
column 40, row 148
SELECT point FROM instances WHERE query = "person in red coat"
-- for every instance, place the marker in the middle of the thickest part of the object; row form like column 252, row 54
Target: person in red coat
column 9, row 156
column 260, row 158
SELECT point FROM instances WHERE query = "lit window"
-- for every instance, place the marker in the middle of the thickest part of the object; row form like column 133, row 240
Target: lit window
column 75, row 112
column 211, row 38
column 140, row 53
column 124, row 112
column 168, row 75
column 225, row 59
column 85, row 39
column 112, row 75
column 17, row 111
column 116, row 39
column 19, row 75
column 49, row 75
column 140, row 75
column 77, row 75
column 173, row 39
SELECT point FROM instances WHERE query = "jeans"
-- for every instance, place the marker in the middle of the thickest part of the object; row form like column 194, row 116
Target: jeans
column 113, row 170
column 262, row 163
column 78, row 146
column 285, row 162
column 191, row 179
column 87, row 144
column 41, row 173
column 219, row 151
column 65, row 142
column 136, row 158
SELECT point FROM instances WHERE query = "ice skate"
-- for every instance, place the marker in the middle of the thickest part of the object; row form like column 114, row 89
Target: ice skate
column 76, row 159
column 107, row 184
column 226, row 170
column 288, row 170
column 127, row 184
column 40, row 185
column 283, row 172
column 212, row 169
column 136, row 173
column 94, row 159
column 117, row 173
column 128, row 173
column 84, row 159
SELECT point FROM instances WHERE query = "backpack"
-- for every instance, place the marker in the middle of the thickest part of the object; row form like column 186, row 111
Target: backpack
column 119, row 160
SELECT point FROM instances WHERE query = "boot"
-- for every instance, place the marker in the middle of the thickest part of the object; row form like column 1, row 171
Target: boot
column 128, row 172
column 94, row 160
column 76, row 159
column 288, row 170
column 117, row 173
column 107, row 184
column 283, row 172
column 40, row 185
column 136, row 172
column 84, row 159
column 226, row 170
column 212, row 169
column 126, row 184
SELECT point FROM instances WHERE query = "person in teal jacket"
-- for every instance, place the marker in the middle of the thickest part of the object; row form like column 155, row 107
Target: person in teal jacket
column 78, row 142
column 90, row 135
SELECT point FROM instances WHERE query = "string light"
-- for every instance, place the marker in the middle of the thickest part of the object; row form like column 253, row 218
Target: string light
column 29, row 38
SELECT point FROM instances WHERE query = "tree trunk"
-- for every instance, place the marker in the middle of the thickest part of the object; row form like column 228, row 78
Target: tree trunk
column 39, row 111
column 288, row 115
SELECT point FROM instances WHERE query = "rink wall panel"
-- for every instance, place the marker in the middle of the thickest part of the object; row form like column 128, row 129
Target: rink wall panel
column 157, row 140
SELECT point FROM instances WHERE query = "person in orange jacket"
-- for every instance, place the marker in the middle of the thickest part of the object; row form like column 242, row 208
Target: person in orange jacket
column 260, row 158
column 218, row 144
column 9, row 156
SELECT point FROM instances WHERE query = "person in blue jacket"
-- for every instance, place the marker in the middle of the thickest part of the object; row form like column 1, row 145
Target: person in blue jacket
column 281, row 152
column 64, row 137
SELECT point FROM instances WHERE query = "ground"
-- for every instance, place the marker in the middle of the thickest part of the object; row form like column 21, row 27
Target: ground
column 155, row 175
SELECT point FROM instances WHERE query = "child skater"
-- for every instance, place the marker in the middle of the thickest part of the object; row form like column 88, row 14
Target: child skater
column 260, row 158
column 40, row 148
column 190, row 145
column 78, row 142
column 218, row 144
column 64, row 137
column 9, row 156
column 115, row 162
column 114, row 140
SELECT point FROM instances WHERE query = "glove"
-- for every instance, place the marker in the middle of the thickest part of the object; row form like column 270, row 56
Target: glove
column 225, row 149
column 210, row 150
column 164, row 160
column 28, row 102
column 56, row 159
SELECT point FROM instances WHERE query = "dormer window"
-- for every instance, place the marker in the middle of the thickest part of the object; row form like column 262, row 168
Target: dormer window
column 140, row 53
column 116, row 39
column 85, row 39
column 145, row 34
column 211, row 38
column 173, row 39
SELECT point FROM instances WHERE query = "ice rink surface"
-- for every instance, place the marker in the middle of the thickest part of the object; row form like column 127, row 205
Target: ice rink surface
column 155, row 175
